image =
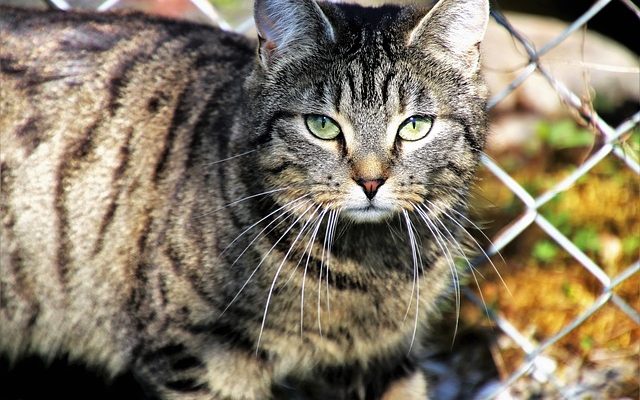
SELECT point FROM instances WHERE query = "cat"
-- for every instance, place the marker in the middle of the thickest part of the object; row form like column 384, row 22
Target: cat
column 238, row 219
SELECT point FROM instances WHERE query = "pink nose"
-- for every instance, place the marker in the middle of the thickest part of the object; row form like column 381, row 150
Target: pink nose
column 371, row 186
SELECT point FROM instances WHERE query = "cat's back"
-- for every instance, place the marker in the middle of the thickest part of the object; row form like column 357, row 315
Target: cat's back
column 70, row 74
column 80, row 63
column 100, row 116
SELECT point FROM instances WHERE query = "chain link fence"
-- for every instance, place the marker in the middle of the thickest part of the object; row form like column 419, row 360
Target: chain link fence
column 536, row 363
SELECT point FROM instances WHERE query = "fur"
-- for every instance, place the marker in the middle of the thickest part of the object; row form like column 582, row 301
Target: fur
column 165, row 210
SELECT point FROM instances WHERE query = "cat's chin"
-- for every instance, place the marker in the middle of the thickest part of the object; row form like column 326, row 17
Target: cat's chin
column 368, row 214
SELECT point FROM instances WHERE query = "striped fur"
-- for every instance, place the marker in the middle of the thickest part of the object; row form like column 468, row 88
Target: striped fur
column 164, row 210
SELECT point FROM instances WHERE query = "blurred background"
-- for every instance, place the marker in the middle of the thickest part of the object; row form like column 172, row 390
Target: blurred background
column 555, row 314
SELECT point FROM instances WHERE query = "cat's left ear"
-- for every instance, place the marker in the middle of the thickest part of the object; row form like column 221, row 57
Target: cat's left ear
column 290, row 27
column 455, row 26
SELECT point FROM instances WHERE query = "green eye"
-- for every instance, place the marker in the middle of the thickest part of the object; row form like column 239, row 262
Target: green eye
column 322, row 126
column 415, row 128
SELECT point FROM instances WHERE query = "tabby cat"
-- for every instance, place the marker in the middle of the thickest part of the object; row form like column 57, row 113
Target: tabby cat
column 232, row 219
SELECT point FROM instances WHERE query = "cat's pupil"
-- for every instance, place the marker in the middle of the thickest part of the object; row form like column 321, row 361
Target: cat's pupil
column 324, row 122
column 413, row 123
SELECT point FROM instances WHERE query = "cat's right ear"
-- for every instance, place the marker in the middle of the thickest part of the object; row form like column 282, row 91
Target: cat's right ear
column 456, row 27
column 290, row 27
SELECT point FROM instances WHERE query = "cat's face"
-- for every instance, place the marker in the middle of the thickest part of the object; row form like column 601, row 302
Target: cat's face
column 378, row 113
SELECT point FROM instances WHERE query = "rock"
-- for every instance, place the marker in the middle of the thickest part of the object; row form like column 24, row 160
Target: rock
column 588, row 63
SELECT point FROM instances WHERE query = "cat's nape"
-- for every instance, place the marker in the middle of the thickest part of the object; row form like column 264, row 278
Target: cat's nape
column 233, row 219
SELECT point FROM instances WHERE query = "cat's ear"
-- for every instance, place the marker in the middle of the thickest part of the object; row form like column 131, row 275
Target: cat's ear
column 290, row 26
column 457, row 26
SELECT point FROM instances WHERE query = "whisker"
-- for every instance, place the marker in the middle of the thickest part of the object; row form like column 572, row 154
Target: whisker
column 262, row 219
column 308, row 250
column 295, row 269
column 285, row 215
column 332, row 231
column 231, row 158
column 395, row 235
column 476, row 227
column 476, row 242
column 257, row 267
column 453, row 188
column 480, row 247
column 322, row 263
column 414, row 251
column 233, row 203
column 453, row 240
column 471, row 267
column 284, row 260
column 445, row 252
column 415, row 270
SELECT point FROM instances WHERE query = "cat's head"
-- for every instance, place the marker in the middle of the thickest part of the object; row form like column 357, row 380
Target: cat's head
column 368, row 110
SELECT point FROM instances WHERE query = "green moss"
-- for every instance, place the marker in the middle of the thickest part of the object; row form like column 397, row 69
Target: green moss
column 545, row 251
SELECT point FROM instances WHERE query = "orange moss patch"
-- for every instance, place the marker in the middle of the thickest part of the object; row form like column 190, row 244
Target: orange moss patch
column 600, row 214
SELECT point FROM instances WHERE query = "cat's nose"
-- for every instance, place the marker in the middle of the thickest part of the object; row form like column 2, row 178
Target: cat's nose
column 370, row 186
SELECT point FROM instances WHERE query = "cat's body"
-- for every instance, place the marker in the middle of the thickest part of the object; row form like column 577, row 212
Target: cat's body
column 163, row 212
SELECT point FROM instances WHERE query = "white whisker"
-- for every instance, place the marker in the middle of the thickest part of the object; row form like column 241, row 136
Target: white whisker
column 256, row 268
column 284, row 260
column 285, row 215
column 295, row 269
column 480, row 247
column 262, row 219
column 414, row 255
column 471, row 267
column 233, row 203
column 332, row 231
column 445, row 252
column 322, row 263
column 308, row 250
column 230, row 158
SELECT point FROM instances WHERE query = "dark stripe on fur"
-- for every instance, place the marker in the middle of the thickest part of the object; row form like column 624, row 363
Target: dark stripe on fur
column 24, row 288
column 30, row 134
column 336, row 279
column 121, row 74
column 352, row 85
column 62, row 253
column 120, row 78
column 459, row 171
column 33, row 79
column 107, row 219
column 180, row 116
column 144, row 234
column 11, row 66
column 186, row 362
column 174, row 257
column 162, row 289
column 469, row 136
column 209, row 117
column 267, row 136
column 87, row 38
column 337, row 97
column 231, row 333
column 164, row 352
column 138, row 301
column 186, row 386
column 279, row 168
column 385, row 86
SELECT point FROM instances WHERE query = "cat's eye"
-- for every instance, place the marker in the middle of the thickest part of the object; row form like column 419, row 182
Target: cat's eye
column 415, row 128
column 322, row 126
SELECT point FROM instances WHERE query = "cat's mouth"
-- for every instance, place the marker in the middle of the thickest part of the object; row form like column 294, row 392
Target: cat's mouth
column 369, row 213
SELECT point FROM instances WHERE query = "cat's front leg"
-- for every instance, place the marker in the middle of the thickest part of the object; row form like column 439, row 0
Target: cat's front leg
column 176, row 371
column 412, row 387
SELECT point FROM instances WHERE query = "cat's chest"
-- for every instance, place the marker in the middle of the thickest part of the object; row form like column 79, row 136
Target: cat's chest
column 344, row 326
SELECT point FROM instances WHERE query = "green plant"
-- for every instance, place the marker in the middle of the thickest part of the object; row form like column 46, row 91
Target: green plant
column 564, row 134
column 545, row 251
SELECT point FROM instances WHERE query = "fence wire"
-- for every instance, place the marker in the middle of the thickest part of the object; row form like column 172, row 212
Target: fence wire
column 540, row 366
